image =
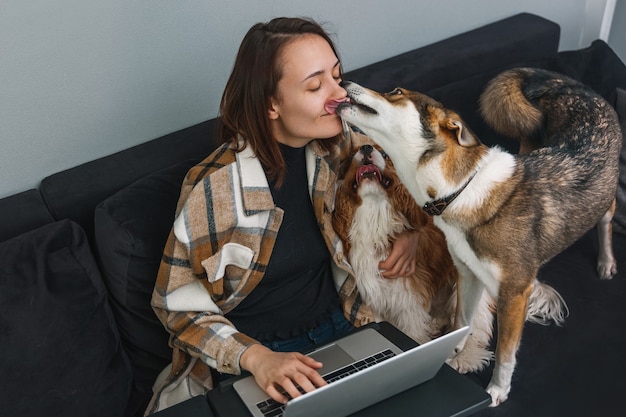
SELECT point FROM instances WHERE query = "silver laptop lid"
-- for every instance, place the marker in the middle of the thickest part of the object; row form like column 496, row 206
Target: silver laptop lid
column 334, row 355
column 366, row 387
column 379, row 382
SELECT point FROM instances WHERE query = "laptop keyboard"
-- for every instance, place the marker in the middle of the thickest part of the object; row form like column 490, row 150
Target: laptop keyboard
column 272, row 408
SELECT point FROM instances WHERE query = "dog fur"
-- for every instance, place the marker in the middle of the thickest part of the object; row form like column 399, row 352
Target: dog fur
column 504, row 215
column 372, row 207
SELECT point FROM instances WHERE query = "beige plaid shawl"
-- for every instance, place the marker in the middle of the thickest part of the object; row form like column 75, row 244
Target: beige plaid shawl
column 217, row 252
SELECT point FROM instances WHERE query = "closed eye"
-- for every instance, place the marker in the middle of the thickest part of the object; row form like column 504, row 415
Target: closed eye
column 319, row 86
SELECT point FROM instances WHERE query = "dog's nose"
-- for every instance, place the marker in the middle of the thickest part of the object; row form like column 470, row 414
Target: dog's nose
column 367, row 149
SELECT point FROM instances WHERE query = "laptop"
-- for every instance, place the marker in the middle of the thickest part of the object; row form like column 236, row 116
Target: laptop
column 361, row 369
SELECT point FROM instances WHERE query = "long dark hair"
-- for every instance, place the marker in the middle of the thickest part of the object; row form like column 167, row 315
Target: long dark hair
column 253, row 82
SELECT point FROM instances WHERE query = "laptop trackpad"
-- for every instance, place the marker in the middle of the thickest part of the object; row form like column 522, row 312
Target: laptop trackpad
column 333, row 357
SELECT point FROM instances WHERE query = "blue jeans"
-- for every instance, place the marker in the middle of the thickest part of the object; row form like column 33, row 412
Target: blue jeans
column 333, row 328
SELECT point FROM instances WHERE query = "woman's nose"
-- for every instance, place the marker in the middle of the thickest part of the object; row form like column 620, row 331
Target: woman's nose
column 340, row 91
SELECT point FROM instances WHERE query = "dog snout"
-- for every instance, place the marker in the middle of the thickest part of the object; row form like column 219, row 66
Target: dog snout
column 366, row 151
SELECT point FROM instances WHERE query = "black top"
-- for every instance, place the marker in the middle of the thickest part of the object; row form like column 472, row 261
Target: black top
column 297, row 291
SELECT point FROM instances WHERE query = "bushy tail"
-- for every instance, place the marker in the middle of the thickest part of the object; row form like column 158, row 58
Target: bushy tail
column 505, row 107
column 545, row 304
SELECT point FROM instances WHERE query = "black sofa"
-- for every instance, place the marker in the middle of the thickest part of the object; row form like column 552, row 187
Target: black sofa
column 79, row 254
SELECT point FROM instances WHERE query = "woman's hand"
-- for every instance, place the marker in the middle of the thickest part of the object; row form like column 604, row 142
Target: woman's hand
column 276, row 372
column 401, row 260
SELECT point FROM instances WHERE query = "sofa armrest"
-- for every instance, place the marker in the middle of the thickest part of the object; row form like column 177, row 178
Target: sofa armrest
column 21, row 213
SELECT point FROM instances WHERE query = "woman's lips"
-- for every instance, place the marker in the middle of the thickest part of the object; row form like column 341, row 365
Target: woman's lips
column 331, row 106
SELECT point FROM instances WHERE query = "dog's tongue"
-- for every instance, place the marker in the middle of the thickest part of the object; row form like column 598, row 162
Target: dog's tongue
column 368, row 171
column 331, row 106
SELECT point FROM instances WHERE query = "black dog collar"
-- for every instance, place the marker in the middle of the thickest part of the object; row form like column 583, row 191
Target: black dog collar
column 435, row 208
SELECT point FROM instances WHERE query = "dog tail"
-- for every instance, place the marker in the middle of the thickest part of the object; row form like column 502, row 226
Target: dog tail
column 506, row 108
column 545, row 304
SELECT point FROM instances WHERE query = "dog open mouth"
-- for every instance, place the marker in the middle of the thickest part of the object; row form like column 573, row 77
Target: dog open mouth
column 370, row 172
column 352, row 102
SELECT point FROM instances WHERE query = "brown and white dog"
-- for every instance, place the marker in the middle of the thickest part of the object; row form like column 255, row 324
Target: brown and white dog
column 504, row 215
column 372, row 207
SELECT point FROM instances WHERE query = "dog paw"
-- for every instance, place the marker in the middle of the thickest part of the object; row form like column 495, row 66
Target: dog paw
column 471, row 358
column 498, row 394
column 606, row 270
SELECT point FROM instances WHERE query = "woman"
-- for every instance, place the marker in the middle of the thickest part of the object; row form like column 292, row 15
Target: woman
column 250, row 274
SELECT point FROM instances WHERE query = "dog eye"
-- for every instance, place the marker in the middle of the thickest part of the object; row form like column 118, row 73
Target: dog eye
column 384, row 154
column 395, row 92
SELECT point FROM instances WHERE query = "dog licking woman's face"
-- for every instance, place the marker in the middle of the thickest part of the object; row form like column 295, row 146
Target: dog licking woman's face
column 308, row 93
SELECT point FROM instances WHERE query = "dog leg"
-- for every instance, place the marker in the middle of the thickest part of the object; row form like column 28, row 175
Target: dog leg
column 469, row 293
column 607, row 265
column 471, row 298
column 476, row 355
column 511, row 314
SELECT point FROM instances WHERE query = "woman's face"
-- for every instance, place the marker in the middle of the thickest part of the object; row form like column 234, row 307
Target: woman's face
column 304, row 106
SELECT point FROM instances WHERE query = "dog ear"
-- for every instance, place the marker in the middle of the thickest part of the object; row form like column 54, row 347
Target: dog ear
column 463, row 135
column 342, row 216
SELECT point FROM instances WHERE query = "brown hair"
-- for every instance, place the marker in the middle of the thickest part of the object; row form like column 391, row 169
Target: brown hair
column 253, row 82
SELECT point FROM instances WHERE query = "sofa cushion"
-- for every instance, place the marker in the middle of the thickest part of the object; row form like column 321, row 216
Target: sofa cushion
column 131, row 228
column 597, row 66
column 61, row 351
column 74, row 193
column 21, row 213
column 576, row 369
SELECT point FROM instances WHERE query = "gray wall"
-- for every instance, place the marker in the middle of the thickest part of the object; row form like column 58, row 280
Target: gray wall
column 617, row 37
column 81, row 79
